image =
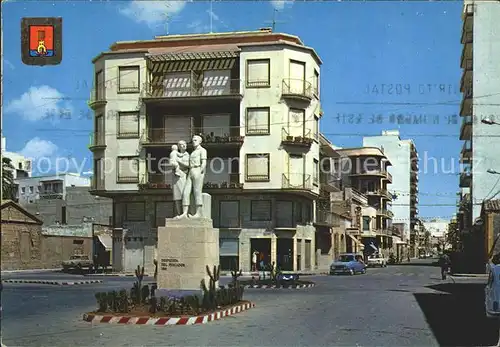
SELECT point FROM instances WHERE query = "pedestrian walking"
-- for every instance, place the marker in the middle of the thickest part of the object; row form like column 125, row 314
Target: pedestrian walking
column 254, row 260
column 444, row 264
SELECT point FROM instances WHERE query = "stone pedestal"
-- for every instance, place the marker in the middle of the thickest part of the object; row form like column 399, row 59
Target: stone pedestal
column 185, row 248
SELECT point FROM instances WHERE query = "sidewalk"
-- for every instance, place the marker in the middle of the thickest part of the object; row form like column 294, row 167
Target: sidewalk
column 470, row 275
column 29, row 271
column 224, row 273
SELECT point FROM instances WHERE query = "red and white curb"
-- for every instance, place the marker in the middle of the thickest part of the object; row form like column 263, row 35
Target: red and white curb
column 56, row 283
column 188, row 320
column 263, row 286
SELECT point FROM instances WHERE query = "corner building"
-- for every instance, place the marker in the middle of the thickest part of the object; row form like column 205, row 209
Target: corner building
column 254, row 99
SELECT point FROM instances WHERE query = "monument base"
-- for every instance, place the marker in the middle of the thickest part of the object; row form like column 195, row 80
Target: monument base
column 185, row 248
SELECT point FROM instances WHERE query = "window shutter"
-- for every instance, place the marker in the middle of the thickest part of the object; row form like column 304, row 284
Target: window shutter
column 129, row 78
column 164, row 209
column 216, row 124
column 177, row 84
column 230, row 217
column 258, row 71
column 129, row 167
column 258, row 121
column 135, row 211
column 99, row 84
column 257, row 166
column 284, row 213
column 296, row 122
column 177, row 128
column 129, row 123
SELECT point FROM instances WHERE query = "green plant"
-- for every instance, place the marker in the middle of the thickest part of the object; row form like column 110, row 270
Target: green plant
column 209, row 293
column 135, row 294
column 235, row 274
column 139, row 275
column 145, row 294
column 123, row 302
column 153, row 305
column 193, row 303
column 102, row 302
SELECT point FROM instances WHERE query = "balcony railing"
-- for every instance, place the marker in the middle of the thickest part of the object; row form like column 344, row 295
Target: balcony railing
column 296, row 181
column 374, row 172
column 329, row 181
column 228, row 87
column 97, row 97
column 212, row 135
column 327, row 217
column 297, row 88
column 468, row 37
column 385, row 212
column 164, row 181
column 466, row 104
column 465, row 128
column 305, row 139
column 467, row 149
column 384, row 232
column 465, row 179
column 97, row 140
column 378, row 192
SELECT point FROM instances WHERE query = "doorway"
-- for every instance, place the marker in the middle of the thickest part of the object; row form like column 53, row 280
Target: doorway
column 284, row 254
column 263, row 247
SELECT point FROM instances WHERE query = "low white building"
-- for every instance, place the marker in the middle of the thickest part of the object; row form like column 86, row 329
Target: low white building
column 22, row 165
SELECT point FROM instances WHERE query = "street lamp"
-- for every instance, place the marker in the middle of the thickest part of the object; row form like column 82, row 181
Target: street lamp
column 493, row 172
column 489, row 121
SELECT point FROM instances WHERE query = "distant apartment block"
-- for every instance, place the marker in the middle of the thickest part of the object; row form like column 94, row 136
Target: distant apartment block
column 479, row 108
column 254, row 99
column 22, row 166
column 404, row 170
column 48, row 187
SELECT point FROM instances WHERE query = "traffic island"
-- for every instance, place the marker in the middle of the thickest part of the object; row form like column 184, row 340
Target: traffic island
column 55, row 283
column 144, row 305
column 274, row 279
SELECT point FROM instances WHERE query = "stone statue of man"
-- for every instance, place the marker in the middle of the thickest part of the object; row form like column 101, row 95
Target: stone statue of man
column 180, row 176
column 197, row 168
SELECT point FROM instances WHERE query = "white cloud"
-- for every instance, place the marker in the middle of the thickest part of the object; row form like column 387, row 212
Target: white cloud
column 280, row 4
column 152, row 12
column 40, row 103
column 37, row 148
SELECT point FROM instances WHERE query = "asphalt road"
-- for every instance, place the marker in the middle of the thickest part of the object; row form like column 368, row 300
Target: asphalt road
column 403, row 305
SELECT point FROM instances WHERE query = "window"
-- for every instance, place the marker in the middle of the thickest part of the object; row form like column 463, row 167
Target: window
column 99, row 130
column 77, row 242
column 23, row 190
column 257, row 167
column 32, row 189
column 99, row 85
column 315, row 83
column 260, row 210
column 257, row 122
column 258, row 73
column 316, row 128
column 135, row 211
column 63, row 215
column 128, row 125
column 128, row 170
column 316, row 172
column 229, row 214
column 163, row 210
column 366, row 223
column 128, row 79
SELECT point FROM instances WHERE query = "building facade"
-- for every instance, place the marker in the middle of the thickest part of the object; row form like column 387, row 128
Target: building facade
column 404, row 170
column 479, row 108
column 254, row 99
column 22, row 165
column 48, row 187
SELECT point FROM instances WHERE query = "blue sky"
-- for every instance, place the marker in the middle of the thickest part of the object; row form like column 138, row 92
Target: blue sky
column 413, row 46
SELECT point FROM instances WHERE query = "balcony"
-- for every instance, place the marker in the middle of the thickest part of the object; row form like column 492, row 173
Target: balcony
column 466, row 153
column 50, row 194
column 375, row 172
column 97, row 98
column 96, row 184
column 465, row 179
column 97, row 141
column 299, row 183
column 384, row 193
column 466, row 128
column 164, row 181
column 466, row 80
column 385, row 213
column 220, row 90
column 329, row 182
column 296, row 89
column 212, row 137
column 305, row 140
column 383, row 232
column 466, row 104
column 326, row 218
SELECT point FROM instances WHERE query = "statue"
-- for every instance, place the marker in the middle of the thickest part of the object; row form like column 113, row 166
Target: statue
column 180, row 162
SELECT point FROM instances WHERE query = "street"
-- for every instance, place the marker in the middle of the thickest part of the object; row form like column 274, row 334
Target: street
column 401, row 305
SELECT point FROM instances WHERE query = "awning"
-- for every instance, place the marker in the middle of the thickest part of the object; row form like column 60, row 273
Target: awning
column 192, row 58
column 356, row 241
column 106, row 241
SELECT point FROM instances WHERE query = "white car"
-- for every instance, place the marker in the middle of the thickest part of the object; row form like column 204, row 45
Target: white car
column 492, row 292
column 377, row 260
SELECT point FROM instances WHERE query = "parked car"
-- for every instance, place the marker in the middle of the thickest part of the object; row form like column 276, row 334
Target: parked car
column 78, row 262
column 377, row 260
column 347, row 263
column 492, row 292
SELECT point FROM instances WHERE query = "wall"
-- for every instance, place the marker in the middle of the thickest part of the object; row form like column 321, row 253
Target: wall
column 56, row 249
column 79, row 204
column 21, row 246
column 437, row 228
column 398, row 153
column 486, row 80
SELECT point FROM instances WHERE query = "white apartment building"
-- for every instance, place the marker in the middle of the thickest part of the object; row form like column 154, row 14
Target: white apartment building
column 404, row 186
column 32, row 189
column 254, row 98
column 22, row 165
column 480, row 104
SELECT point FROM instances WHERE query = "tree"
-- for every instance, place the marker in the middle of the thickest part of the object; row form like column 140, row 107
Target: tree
column 8, row 188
